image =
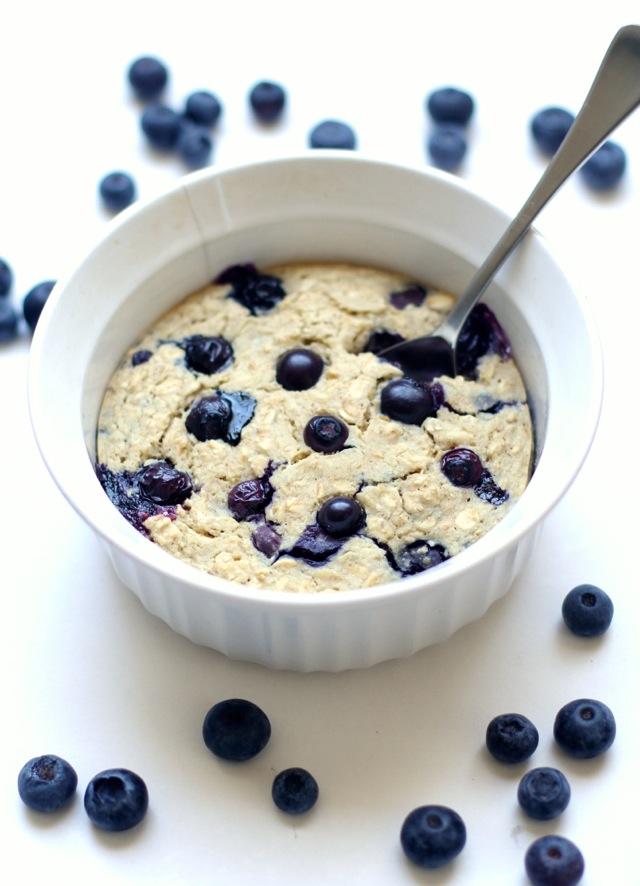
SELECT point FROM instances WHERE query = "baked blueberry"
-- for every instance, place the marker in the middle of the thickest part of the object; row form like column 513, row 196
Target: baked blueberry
column 203, row 107
column 413, row 296
column 553, row 861
column 341, row 516
column 449, row 104
column 47, row 783
column 6, row 278
column 207, row 353
column 220, row 416
column 587, row 610
column 447, row 147
column 315, row 545
column 584, row 728
column 432, row 836
column 325, row 433
column 255, row 291
column 161, row 126
column 148, row 77
column 194, row 145
column 294, row 791
column 487, row 489
column 480, row 335
column 461, row 466
column 543, row 793
column 604, row 169
column 34, row 301
column 8, row 321
column 549, row 126
column 140, row 357
column 511, row 738
column 116, row 799
column 408, row 401
column 267, row 101
column 417, row 556
column 266, row 539
column 332, row 134
column 249, row 498
column 380, row 339
column 124, row 491
column 236, row 729
column 161, row 483
column 299, row 369
column 117, row 190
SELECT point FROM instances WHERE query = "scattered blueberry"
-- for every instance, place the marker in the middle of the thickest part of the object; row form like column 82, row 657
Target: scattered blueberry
column 220, row 416
column 116, row 800
column 267, row 101
column 207, row 353
column 461, row 466
column 432, row 836
column 408, row 401
column 584, row 728
column 294, row 791
column 203, row 107
column 255, row 291
column 140, row 357
column 543, row 793
column 447, row 147
column 380, row 340
column 488, row 490
column 34, row 301
column 124, row 491
column 148, row 77
column 117, row 190
column 162, row 484
column 549, row 127
column 553, row 861
column 332, row 134
column 413, row 296
column 480, row 335
column 299, row 369
column 325, row 433
column 511, row 738
column 6, row 278
column 161, row 126
column 417, row 557
column 8, row 321
column 587, row 610
column 194, row 145
column 450, row 105
column 604, row 169
column 266, row 539
column 315, row 545
column 47, row 783
column 249, row 498
column 236, row 729
column 341, row 516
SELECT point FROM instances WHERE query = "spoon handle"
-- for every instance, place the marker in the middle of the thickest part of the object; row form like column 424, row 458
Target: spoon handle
column 614, row 94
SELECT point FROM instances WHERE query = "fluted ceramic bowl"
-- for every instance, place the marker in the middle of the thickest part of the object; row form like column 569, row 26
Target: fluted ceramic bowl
column 324, row 206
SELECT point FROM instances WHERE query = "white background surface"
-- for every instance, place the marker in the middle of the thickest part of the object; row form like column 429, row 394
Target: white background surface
column 89, row 675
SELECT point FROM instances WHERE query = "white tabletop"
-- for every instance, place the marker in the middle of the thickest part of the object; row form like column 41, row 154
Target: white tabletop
column 89, row 675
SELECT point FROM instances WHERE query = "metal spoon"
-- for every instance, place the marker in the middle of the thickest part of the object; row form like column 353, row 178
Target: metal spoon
column 614, row 94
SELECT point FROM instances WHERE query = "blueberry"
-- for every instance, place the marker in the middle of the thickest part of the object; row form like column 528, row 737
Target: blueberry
column 511, row 738
column 8, row 321
column 432, row 836
column 250, row 497
column 47, row 783
column 267, row 101
column 587, row 610
column 417, row 557
column 161, row 483
column 584, row 728
column 447, row 147
column 543, row 793
column 266, row 539
column 6, row 278
column 480, row 335
column 299, row 369
column 255, row 291
column 380, row 340
column 325, row 433
column 140, row 357
column 487, row 489
column 236, row 729
column 549, row 127
column 161, row 126
column 332, row 134
column 413, row 296
column 148, row 77
column 194, row 145
column 117, row 190
column 553, row 861
column 125, row 493
column 408, row 401
column 604, row 169
column 207, row 353
column 220, row 416
column 341, row 516
column 315, row 545
column 116, row 800
column 203, row 107
column 461, row 466
column 450, row 105
column 294, row 791
column 34, row 301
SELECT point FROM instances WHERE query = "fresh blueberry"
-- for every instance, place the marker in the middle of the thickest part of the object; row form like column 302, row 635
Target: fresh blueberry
column 413, row 296
column 116, row 800
column 480, row 335
column 447, row 147
column 117, row 190
column 549, row 126
column 249, row 498
column 236, row 729
column 194, row 145
column 450, row 105
column 584, row 728
column 203, row 107
column 417, row 557
column 543, row 793
column 332, row 134
column 553, row 861
column 341, row 516
column 408, row 401
column 207, row 353
column 294, row 791
column 511, row 738
column 162, row 484
column 47, row 783
column 34, row 301
column 8, row 321
column 325, row 433
column 255, row 291
column 461, row 466
column 299, row 369
column 220, row 416
column 148, row 77
column 161, row 126
column 432, row 836
column 6, row 278
column 140, row 357
column 587, row 610
column 604, row 169
column 267, row 101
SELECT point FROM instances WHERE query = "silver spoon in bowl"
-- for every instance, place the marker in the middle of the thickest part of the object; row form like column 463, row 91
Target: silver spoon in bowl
column 614, row 94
